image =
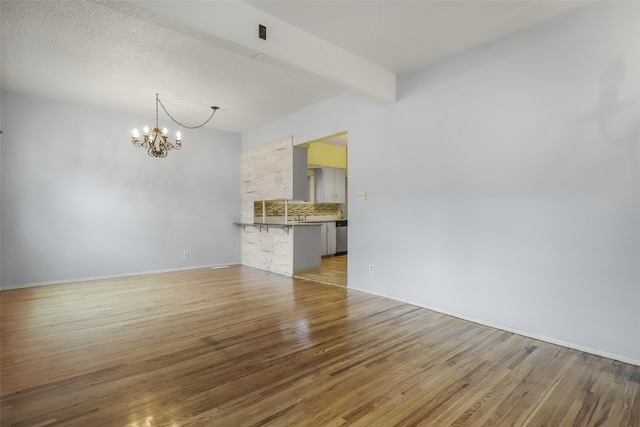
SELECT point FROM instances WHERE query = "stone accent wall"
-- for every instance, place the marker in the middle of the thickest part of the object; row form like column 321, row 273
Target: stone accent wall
column 266, row 174
column 276, row 208
column 270, row 248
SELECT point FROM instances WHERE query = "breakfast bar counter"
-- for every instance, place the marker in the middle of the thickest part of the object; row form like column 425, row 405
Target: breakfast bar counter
column 282, row 248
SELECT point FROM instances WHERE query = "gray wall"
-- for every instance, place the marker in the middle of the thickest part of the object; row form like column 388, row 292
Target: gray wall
column 80, row 201
column 504, row 185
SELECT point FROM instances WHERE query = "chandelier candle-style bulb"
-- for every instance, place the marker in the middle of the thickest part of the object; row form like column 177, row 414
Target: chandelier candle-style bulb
column 155, row 140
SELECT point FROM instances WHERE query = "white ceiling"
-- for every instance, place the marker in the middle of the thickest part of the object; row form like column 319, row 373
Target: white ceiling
column 403, row 35
column 117, row 55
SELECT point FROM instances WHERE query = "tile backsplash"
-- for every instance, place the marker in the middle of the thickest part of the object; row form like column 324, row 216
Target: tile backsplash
column 276, row 208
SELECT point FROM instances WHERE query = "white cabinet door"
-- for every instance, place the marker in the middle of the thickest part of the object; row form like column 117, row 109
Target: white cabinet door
column 331, row 238
column 328, row 238
column 339, row 186
column 330, row 185
column 328, row 177
column 323, row 239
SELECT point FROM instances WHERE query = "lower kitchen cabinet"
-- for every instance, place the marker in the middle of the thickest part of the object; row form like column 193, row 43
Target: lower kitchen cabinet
column 331, row 238
column 328, row 238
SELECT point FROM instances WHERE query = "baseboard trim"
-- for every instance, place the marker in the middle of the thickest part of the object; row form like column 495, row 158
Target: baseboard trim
column 282, row 273
column 528, row 334
column 115, row 276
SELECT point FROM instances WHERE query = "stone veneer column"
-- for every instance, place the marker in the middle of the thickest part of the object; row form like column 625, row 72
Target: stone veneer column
column 266, row 174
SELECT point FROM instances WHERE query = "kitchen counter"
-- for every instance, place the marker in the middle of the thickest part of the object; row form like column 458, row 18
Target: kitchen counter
column 282, row 248
column 319, row 221
column 280, row 224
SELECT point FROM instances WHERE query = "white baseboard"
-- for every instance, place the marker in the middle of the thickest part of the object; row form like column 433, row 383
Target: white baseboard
column 115, row 276
column 528, row 334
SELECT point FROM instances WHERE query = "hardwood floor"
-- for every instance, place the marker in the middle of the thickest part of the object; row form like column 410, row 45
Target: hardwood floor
column 240, row 346
column 332, row 271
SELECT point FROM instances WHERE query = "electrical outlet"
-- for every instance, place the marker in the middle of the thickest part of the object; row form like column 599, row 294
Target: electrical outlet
column 185, row 254
column 361, row 195
column 370, row 268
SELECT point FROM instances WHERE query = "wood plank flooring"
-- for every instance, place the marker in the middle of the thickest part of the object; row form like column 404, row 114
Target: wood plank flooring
column 239, row 346
column 332, row 271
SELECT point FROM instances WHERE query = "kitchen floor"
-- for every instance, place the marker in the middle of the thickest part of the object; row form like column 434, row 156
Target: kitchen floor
column 333, row 271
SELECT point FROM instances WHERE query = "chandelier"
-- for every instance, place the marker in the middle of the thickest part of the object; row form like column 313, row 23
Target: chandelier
column 155, row 141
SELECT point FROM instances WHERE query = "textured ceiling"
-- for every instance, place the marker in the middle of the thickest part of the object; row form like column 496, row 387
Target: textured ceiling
column 92, row 54
column 117, row 55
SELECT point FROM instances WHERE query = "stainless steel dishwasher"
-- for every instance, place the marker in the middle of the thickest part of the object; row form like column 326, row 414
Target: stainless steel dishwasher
column 341, row 237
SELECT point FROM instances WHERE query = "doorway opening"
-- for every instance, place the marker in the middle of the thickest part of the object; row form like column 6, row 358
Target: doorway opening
column 332, row 271
column 327, row 179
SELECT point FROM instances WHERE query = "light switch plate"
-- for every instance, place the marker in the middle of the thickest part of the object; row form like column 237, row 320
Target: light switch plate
column 361, row 195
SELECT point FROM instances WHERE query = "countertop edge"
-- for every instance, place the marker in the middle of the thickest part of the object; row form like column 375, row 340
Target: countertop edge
column 278, row 224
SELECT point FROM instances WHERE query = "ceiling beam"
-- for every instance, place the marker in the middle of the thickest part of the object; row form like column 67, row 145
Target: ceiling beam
column 237, row 23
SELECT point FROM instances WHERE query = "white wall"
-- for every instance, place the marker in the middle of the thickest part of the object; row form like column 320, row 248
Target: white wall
column 504, row 185
column 1, row 144
column 80, row 201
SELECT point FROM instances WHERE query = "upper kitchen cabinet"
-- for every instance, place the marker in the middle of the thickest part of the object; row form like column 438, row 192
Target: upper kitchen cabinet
column 327, row 181
column 330, row 185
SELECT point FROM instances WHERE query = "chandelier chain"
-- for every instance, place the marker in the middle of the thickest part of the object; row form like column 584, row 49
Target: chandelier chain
column 180, row 124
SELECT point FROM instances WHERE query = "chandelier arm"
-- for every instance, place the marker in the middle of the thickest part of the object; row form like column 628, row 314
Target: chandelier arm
column 180, row 124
